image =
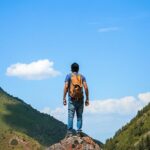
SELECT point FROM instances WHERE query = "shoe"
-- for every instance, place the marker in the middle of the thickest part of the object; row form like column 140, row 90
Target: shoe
column 69, row 134
column 79, row 133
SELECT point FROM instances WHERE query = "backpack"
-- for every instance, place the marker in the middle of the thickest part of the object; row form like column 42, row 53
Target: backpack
column 76, row 86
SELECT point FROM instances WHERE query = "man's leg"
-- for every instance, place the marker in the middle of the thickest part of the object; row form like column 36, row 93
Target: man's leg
column 79, row 112
column 71, row 111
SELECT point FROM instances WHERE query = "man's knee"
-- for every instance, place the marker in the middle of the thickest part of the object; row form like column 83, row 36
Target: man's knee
column 79, row 116
column 71, row 113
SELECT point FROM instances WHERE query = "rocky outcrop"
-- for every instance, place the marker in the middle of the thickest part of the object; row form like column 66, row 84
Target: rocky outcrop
column 76, row 143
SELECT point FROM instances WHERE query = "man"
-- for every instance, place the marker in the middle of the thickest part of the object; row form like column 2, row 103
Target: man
column 74, row 84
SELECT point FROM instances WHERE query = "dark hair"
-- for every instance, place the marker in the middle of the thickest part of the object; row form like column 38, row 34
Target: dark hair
column 74, row 67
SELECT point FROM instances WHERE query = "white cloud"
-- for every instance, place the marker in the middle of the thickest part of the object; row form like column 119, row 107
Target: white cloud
column 122, row 106
column 144, row 97
column 46, row 110
column 60, row 113
column 108, row 29
column 36, row 70
column 100, row 114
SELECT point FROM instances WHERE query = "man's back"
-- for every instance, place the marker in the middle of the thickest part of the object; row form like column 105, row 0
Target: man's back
column 75, row 83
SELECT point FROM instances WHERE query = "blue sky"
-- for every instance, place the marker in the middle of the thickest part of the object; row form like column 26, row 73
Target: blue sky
column 109, row 39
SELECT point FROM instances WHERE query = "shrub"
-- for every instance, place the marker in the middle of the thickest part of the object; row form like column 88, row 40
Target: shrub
column 14, row 142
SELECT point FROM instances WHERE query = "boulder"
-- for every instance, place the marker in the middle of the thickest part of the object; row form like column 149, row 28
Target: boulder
column 76, row 143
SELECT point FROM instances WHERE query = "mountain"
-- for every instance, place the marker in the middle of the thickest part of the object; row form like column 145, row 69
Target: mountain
column 23, row 127
column 134, row 135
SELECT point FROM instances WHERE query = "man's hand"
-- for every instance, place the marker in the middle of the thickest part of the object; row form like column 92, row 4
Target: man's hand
column 65, row 92
column 87, row 103
column 64, row 102
column 86, row 93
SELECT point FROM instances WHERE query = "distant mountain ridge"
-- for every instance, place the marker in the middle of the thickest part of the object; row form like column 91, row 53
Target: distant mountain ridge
column 24, row 128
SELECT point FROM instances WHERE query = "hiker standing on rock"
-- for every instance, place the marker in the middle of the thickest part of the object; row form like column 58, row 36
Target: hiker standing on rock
column 74, row 84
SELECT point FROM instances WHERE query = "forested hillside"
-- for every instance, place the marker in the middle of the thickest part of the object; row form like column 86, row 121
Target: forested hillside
column 133, row 136
column 23, row 126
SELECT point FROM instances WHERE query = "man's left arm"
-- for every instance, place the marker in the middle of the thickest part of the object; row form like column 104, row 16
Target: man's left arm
column 86, row 93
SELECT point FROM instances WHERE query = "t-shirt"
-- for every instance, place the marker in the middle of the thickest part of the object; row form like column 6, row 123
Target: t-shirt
column 68, row 79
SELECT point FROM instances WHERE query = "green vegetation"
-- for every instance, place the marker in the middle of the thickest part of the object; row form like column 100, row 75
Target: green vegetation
column 133, row 136
column 22, row 127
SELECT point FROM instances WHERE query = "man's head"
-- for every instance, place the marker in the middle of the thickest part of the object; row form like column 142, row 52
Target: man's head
column 74, row 67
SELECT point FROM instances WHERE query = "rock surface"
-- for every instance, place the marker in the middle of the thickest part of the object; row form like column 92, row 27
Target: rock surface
column 76, row 143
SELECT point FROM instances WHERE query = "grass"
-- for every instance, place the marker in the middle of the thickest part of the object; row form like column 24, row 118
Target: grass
column 132, row 133
column 19, row 120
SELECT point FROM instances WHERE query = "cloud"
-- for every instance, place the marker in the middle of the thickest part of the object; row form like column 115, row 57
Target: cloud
column 100, row 114
column 60, row 113
column 36, row 70
column 144, row 97
column 46, row 110
column 108, row 29
column 121, row 106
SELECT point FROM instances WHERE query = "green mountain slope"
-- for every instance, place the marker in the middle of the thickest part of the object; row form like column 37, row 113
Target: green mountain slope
column 22, row 127
column 133, row 136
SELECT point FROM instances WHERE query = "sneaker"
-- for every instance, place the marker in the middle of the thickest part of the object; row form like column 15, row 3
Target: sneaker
column 79, row 133
column 69, row 134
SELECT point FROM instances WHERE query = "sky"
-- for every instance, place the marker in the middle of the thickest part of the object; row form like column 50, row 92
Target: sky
column 39, row 40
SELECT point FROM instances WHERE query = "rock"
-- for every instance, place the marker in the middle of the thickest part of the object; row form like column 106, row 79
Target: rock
column 76, row 143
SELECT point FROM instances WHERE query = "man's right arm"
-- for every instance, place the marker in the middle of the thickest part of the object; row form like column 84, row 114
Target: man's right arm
column 86, row 93
column 65, row 93
column 66, row 87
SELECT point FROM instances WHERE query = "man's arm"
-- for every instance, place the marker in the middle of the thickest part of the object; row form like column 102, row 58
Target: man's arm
column 65, row 93
column 86, row 93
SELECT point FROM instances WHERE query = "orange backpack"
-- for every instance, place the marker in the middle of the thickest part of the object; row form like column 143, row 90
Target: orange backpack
column 76, row 86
